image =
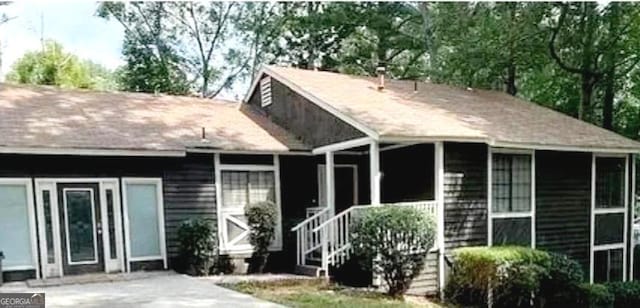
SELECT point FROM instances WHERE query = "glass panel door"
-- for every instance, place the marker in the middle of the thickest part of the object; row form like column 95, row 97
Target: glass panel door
column 80, row 226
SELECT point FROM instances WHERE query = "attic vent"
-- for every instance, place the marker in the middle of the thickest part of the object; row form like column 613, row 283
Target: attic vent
column 265, row 91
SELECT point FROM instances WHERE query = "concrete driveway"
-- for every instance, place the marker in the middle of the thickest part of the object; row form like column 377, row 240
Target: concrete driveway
column 171, row 290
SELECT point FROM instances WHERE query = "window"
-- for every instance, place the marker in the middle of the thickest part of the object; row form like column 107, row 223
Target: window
column 239, row 185
column 16, row 216
column 265, row 91
column 46, row 200
column 144, row 208
column 111, row 208
column 608, row 219
column 511, row 215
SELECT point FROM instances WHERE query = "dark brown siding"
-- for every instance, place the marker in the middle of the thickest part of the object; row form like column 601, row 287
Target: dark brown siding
column 314, row 125
column 563, row 204
column 189, row 193
column 465, row 195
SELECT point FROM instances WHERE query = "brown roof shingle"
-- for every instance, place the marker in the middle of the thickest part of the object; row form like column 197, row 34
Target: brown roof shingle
column 47, row 117
column 448, row 113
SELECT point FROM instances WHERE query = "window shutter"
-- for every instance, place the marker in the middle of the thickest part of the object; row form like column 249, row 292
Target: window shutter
column 265, row 91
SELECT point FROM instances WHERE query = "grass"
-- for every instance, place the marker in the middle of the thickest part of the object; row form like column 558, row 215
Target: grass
column 318, row 293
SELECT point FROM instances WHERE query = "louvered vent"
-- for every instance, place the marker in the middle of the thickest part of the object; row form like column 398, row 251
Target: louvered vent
column 265, row 91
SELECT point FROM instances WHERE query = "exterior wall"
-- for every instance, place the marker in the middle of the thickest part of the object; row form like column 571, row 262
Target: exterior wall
column 563, row 204
column 188, row 186
column 314, row 125
column 465, row 195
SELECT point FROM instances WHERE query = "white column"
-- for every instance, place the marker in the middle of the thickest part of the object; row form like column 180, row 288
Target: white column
column 330, row 183
column 374, row 172
column 439, row 196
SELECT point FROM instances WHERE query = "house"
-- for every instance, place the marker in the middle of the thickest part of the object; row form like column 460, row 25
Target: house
column 99, row 182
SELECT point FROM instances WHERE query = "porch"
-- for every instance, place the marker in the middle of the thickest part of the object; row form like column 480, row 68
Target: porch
column 400, row 174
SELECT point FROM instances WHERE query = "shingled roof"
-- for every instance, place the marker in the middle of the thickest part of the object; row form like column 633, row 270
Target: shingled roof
column 37, row 117
column 441, row 112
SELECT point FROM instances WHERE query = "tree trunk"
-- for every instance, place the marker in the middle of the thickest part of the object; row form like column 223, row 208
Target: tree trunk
column 607, row 104
column 511, row 80
column 585, row 98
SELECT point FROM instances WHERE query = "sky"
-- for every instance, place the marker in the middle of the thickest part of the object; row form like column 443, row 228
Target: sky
column 72, row 23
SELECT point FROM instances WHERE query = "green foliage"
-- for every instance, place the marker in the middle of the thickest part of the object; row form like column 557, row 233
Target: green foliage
column 512, row 273
column 53, row 66
column 594, row 296
column 262, row 219
column 197, row 246
column 398, row 238
column 560, row 285
column 626, row 294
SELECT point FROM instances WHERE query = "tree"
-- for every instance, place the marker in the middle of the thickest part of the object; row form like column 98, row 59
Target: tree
column 486, row 45
column 53, row 66
column 593, row 44
column 152, row 62
column 188, row 40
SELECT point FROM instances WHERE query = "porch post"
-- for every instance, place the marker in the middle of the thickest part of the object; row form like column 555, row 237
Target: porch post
column 330, row 183
column 374, row 172
column 439, row 196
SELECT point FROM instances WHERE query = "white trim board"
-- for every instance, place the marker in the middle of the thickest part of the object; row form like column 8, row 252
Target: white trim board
column 90, row 152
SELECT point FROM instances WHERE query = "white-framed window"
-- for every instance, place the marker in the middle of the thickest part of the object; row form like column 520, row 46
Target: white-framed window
column 18, row 225
column 609, row 205
column 265, row 91
column 239, row 185
column 511, row 192
column 144, row 219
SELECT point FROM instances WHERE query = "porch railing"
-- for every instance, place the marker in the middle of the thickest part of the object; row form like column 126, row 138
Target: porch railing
column 307, row 241
column 332, row 235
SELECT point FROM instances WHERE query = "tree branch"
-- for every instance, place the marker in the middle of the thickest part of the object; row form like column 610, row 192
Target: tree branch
column 552, row 47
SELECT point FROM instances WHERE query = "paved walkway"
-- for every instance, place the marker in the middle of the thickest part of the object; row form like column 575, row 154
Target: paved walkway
column 171, row 290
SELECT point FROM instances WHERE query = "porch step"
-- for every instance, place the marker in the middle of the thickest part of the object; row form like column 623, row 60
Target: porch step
column 309, row 270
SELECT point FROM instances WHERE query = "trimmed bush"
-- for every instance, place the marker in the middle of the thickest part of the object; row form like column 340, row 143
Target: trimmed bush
column 197, row 240
column 398, row 239
column 626, row 294
column 594, row 296
column 560, row 286
column 262, row 218
column 512, row 274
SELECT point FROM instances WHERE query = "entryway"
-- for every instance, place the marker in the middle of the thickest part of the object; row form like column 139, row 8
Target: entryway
column 79, row 226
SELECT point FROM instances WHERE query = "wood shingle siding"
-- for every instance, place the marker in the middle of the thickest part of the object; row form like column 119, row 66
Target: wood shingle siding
column 465, row 195
column 563, row 204
column 314, row 125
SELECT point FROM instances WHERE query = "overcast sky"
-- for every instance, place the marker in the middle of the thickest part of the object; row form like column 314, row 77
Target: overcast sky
column 72, row 23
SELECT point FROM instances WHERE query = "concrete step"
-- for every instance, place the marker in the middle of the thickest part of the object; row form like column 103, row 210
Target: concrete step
column 309, row 270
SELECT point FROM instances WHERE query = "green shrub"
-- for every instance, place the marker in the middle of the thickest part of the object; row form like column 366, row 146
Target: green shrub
column 512, row 273
column 197, row 240
column 398, row 239
column 560, row 286
column 262, row 218
column 594, row 296
column 626, row 294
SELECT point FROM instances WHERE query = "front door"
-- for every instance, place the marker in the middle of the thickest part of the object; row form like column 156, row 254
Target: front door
column 81, row 230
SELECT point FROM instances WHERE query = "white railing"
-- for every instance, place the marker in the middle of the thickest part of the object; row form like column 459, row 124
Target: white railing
column 335, row 232
column 307, row 241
